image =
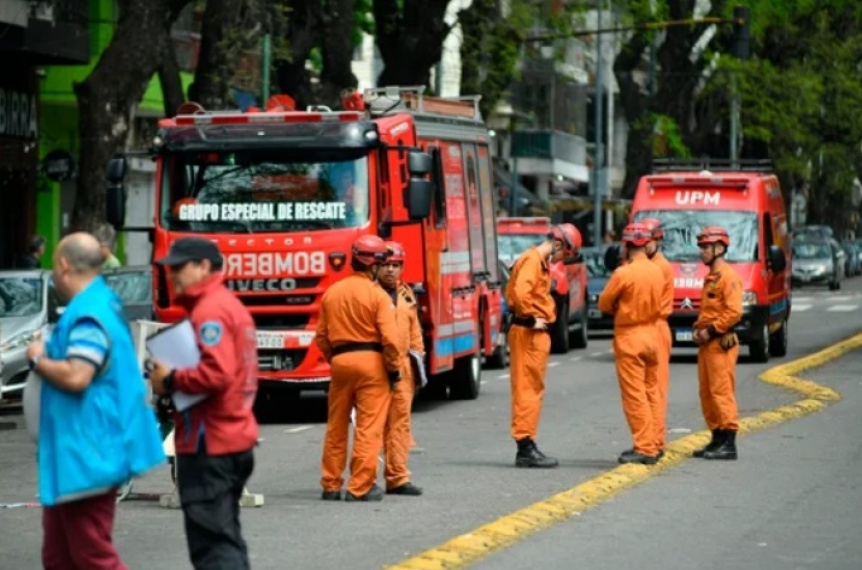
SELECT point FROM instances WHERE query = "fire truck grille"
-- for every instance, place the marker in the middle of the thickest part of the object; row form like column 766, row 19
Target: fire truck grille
column 277, row 300
column 281, row 321
column 279, row 360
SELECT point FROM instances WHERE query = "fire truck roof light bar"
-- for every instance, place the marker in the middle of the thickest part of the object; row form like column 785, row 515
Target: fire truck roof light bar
column 537, row 221
column 703, row 181
column 222, row 118
column 712, row 164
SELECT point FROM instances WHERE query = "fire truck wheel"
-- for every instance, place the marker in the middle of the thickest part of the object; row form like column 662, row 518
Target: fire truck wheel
column 581, row 337
column 778, row 341
column 499, row 359
column 465, row 379
column 758, row 348
column 560, row 331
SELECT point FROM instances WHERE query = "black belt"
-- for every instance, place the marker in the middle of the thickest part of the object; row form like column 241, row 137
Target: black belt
column 528, row 322
column 357, row 347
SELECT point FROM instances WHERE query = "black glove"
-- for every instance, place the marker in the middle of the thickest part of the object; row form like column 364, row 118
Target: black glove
column 394, row 378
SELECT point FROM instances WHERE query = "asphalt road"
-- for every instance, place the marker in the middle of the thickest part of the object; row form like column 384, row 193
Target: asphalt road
column 790, row 493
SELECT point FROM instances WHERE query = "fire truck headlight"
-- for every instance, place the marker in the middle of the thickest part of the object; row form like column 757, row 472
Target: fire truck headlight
column 371, row 136
column 749, row 298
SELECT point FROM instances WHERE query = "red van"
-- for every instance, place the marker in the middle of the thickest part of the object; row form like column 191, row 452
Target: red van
column 568, row 282
column 748, row 203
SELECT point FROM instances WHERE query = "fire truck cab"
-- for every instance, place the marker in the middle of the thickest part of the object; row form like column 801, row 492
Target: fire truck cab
column 285, row 192
column 746, row 200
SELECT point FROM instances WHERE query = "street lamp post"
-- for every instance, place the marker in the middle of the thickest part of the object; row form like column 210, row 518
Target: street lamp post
column 598, row 159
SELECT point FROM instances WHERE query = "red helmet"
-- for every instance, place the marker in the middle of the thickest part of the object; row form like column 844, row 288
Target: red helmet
column 637, row 234
column 564, row 234
column 369, row 250
column 396, row 252
column 713, row 234
column 654, row 225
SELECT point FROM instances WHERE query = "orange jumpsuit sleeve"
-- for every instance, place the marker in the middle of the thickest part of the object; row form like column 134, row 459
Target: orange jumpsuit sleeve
column 523, row 286
column 416, row 342
column 731, row 294
column 385, row 319
column 321, row 338
column 613, row 289
column 667, row 288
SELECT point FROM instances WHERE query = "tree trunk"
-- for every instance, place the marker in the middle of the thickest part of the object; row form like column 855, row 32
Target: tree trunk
column 108, row 96
column 410, row 39
column 302, row 35
column 336, row 74
column 635, row 105
column 172, row 85
column 227, row 34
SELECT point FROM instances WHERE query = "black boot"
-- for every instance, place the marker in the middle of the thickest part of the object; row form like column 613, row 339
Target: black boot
column 727, row 449
column 712, row 445
column 530, row 456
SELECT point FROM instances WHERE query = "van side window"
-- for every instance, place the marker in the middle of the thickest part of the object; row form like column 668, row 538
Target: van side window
column 769, row 239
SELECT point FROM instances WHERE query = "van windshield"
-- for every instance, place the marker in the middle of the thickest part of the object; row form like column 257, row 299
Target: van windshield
column 511, row 246
column 682, row 226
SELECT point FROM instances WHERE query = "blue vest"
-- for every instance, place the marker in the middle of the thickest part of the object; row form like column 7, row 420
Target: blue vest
column 103, row 436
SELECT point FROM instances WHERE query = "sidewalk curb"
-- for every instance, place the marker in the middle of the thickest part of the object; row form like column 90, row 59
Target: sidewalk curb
column 467, row 548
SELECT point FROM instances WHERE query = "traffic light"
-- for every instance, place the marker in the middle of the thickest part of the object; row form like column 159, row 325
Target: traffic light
column 741, row 48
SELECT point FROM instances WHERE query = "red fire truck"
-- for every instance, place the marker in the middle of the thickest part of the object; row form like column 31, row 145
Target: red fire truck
column 284, row 193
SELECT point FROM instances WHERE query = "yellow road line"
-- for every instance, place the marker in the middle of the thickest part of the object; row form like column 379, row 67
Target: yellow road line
column 467, row 548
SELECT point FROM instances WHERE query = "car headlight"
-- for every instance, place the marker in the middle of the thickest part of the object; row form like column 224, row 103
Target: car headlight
column 749, row 298
column 18, row 341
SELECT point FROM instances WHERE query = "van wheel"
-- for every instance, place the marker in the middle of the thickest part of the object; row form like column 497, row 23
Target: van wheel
column 778, row 341
column 466, row 378
column 758, row 349
column 580, row 338
column 835, row 286
column 560, row 331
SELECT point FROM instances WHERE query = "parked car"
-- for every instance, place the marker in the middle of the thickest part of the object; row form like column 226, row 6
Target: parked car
column 597, row 277
column 852, row 264
column 818, row 262
column 568, row 281
column 30, row 304
column 500, row 357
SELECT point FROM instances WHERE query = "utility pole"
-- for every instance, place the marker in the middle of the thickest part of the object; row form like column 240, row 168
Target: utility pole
column 264, row 69
column 598, row 158
column 741, row 50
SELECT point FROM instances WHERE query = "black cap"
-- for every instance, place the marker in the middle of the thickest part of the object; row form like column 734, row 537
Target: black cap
column 191, row 249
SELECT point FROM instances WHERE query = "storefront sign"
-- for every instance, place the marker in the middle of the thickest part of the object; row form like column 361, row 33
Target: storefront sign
column 18, row 115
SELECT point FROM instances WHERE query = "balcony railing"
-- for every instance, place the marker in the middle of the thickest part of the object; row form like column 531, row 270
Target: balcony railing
column 549, row 145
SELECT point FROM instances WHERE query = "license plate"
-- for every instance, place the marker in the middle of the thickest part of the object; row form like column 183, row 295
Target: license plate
column 595, row 314
column 270, row 340
column 683, row 336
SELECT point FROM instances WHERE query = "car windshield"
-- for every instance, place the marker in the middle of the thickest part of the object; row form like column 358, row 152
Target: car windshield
column 595, row 261
column 681, row 228
column 510, row 246
column 262, row 192
column 133, row 288
column 20, row 296
column 812, row 251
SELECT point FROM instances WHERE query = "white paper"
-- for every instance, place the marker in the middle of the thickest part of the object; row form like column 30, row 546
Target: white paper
column 419, row 366
column 176, row 346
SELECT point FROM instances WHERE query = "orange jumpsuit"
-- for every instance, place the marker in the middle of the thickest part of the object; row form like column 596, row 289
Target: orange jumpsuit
column 720, row 311
column 397, row 436
column 634, row 296
column 528, row 294
column 356, row 310
column 664, row 346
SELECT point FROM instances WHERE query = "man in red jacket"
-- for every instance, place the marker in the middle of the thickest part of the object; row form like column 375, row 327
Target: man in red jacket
column 214, row 438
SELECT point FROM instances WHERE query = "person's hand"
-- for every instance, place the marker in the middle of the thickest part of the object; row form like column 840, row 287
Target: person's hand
column 700, row 336
column 541, row 324
column 158, row 371
column 36, row 348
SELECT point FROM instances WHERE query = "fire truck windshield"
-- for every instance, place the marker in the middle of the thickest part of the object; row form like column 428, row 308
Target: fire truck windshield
column 682, row 226
column 510, row 246
column 227, row 192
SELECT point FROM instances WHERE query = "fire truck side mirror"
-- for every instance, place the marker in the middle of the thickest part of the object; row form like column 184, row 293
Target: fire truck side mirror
column 419, row 163
column 419, row 195
column 115, row 198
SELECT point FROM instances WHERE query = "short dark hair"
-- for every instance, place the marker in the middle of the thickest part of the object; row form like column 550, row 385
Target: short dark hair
column 36, row 242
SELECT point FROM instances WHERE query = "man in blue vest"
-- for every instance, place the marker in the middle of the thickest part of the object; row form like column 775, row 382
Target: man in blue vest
column 95, row 429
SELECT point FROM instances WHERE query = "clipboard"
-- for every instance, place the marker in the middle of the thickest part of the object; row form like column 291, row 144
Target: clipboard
column 176, row 346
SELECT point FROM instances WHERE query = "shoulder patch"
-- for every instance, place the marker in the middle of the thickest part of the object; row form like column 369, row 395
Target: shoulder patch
column 211, row 332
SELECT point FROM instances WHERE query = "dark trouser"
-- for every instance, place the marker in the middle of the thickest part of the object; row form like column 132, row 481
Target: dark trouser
column 210, row 487
column 78, row 535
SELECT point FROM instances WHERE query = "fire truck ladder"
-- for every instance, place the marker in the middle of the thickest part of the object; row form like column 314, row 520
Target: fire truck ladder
column 385, row 100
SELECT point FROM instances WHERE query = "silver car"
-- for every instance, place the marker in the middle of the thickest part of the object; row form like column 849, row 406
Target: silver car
column 30, row 304
column 24, row 312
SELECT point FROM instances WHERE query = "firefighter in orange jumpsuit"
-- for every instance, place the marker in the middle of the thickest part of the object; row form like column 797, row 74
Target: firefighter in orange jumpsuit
column 665, row 340
column 720, row 311
column 397, row 436
column 532, row 308
column 358, row 335
column 634, row 296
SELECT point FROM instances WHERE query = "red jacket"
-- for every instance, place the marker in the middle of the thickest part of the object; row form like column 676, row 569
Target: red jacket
column 227, row 372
